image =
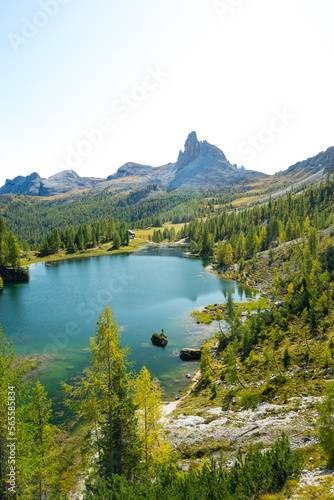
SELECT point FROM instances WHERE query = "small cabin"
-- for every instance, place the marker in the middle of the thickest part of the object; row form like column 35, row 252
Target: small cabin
column 131, row 234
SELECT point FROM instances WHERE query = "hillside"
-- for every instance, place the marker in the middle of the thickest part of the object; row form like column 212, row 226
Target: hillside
column 322, row 162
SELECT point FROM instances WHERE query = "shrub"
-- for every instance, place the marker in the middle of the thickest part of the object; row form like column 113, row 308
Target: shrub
column 251, row 399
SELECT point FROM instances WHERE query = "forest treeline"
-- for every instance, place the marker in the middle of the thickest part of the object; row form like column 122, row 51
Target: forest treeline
column 87, row 236
column 32, row 219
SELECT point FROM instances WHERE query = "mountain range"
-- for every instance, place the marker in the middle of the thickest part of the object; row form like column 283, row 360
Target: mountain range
column 199, row 165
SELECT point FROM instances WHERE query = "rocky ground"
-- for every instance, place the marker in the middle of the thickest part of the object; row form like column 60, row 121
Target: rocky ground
column 217, row 433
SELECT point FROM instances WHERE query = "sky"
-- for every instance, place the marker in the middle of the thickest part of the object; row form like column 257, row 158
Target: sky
column 90, row 86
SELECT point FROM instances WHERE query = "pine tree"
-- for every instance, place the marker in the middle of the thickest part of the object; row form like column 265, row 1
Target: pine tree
column 148, row 401
column 117, row 241
column 83, row 399
column 205, row 364
column 13, row 251
column 221, row 254
column 55, row 241
column 229, row 255
column 313, row 241
column 41, row 453
column 108, row 359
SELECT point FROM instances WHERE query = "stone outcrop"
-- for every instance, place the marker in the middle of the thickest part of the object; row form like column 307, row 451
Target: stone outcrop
column 61, row 183
column 14, row 274
column 322, row 161
column 192, row 149
column 65, row 182
column 188, row 354
column 29, row 185
column 159, row 339
column 202, row 164
column 131, row 169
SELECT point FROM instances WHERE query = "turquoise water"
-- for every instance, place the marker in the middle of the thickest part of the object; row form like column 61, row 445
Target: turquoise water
column 56, row 312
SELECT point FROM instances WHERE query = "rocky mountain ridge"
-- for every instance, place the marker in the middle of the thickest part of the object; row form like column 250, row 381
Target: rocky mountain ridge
column 200, row 165
column 35, row 185
column 322, row 161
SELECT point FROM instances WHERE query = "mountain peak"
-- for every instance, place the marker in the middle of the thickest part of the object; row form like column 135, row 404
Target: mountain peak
column 193, row 148
column 191, row 142
column 191, row 151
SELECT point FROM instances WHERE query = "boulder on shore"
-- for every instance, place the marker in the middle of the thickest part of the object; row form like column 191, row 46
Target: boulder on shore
column 188, row 354
column 159, row 339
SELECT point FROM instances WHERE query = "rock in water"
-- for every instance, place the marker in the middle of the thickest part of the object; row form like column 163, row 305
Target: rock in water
column 14, row 274
column 159, row 339
column 188, row 354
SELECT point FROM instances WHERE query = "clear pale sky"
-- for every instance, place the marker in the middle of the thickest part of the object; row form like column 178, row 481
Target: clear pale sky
column 227, row 69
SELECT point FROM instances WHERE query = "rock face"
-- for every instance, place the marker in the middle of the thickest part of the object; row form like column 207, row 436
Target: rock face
column 188, row 354
column 14, row 274
column 65, row 182
column 323, row 161
column 199, row 165
column 131, row 169
column 23, row 185
column 192, row 149
column 61, row 183
column 159, row 339
column 202, row 165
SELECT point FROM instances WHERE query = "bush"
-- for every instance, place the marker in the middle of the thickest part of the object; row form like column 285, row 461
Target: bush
column 251, row 399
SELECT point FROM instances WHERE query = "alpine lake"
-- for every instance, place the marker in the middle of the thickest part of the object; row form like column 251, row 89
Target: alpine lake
column 53, row 316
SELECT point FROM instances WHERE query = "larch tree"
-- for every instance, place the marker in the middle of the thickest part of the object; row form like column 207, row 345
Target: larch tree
column 119, row 440
column 39, row 450
column 147, row 398
column 83, row 399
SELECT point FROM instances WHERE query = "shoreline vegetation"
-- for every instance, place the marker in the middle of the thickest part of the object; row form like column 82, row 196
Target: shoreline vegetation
column 102, row 250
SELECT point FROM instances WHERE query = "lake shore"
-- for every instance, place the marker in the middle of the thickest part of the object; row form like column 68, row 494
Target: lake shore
column 102, row 250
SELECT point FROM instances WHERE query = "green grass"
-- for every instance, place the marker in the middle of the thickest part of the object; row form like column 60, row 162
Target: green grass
column 254, row 305
column 201, row 317
column 105, row 249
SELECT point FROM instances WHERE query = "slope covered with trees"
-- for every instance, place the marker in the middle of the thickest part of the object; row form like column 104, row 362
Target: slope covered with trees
column 32, row 219
column 242, row 234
